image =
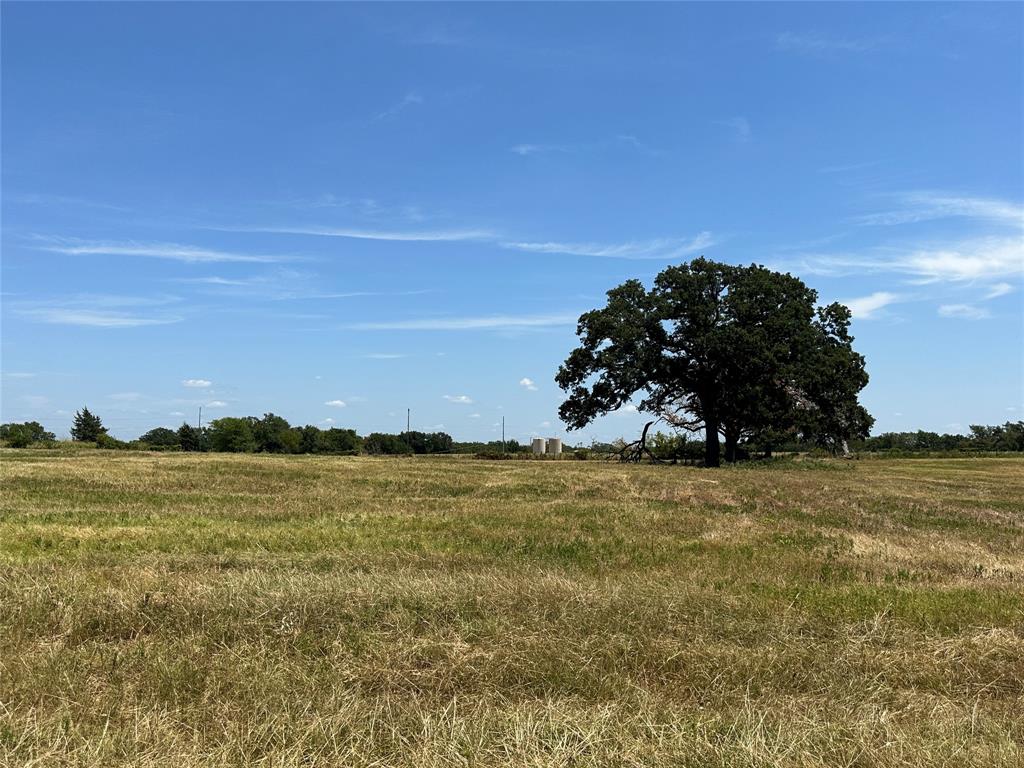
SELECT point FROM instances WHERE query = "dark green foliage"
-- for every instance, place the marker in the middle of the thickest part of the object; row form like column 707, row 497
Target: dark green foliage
column 192, row 438
column 378, row 443
column 232, row 435
column 161, row 437
column 331, row 441
column 736, row 351
column 110, row 443
column 24, row 435
column 428, row 442
column 274, row 434
column 87, row 427
column 1008, row 437
column 342, row 441
column 408, row 442
column 675, row 448
column 494, row 446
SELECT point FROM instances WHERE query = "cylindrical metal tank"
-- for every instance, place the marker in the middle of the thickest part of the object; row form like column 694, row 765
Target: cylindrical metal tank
column 538, row 446
column 554, row 446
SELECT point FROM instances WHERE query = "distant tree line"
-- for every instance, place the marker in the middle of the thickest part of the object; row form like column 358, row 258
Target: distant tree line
column 679, row 447
column 273, row 434
column 249, row 434
column 1007, row 437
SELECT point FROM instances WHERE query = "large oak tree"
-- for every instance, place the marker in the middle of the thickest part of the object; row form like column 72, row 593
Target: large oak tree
column 739, row 352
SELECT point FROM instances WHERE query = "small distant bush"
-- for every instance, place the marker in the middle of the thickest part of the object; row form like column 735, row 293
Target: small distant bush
column 105, row 441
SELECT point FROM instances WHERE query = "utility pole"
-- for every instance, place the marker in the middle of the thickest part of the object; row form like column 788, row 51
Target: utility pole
column 408, row 422
column 200, row 418
column 502, row 435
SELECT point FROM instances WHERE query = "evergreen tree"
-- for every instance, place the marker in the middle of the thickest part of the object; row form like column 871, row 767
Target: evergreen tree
column 87, row 427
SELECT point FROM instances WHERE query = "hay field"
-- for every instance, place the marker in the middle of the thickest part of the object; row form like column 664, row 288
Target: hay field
column 226, row 610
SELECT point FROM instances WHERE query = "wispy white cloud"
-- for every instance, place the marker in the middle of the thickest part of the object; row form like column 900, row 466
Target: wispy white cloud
column 198, row 383
column 283, row 285
column 172, row 251
column 38, row 198
column 848, row 167
column 474, row 415
column 527, row 383
column 621, row 141
column 810, row 42
column 739, row 128
column 97, row 311
column 524, row 150
column 865, row 307
column 336, row 403
column 980, row 259
column 93, row 318
column 999, row 289
column 913, row 207
column 409, row 100
column 460, row 399
column 126, row 397
column 663, row 249
column 216, row 404
column 963, row 312
column 440, row 235
column 18, row 375
column 492, row 322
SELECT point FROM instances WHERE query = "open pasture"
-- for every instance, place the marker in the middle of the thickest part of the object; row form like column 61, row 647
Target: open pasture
column 230, row 610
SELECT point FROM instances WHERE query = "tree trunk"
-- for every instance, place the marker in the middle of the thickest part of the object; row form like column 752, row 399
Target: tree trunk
column 730, row 447
column 712, row 450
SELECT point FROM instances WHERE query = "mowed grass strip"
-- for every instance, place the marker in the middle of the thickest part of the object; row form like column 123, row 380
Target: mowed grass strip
column 192, row 610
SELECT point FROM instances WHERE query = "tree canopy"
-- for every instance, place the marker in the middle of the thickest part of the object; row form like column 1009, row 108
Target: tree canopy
column 23, row 435
column 739, row 352
column 87, row 427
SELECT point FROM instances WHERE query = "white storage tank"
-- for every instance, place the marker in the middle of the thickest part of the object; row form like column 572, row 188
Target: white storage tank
column 554, row 446
column 538, row 446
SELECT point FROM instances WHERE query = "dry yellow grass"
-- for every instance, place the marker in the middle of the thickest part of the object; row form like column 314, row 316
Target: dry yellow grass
column 293, row 611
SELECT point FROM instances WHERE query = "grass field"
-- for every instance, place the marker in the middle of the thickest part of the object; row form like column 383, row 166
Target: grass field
column 186, row 610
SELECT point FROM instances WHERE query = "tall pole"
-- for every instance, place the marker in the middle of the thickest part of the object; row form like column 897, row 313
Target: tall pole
column 502, row 435
column 200, row 418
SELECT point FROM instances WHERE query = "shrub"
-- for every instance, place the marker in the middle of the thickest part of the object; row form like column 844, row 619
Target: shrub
column 105, row 441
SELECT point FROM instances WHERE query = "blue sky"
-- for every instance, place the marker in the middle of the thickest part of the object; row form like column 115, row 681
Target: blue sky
column 335, row 212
